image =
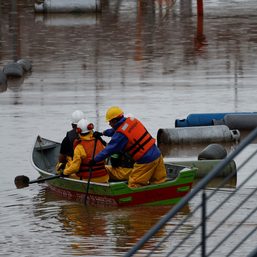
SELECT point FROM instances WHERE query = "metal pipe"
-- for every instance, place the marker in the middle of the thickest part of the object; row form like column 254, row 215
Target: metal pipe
column 203, row 223
column 67, row 6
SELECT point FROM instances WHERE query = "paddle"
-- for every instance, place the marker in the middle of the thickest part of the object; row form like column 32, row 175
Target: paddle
column 23, row 181
column 90, row 171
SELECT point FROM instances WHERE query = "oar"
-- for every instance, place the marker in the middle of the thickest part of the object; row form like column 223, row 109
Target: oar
column 23, row 181
column 90, row 172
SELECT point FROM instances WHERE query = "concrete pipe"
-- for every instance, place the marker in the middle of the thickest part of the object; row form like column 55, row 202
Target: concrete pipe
column 25, row 64
column 67, row 6
column 13, row 70
column 205, row 166
column 212, row 152
column 202, row 134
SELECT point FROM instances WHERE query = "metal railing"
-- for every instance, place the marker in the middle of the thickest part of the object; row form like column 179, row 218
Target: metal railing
column 219, row 233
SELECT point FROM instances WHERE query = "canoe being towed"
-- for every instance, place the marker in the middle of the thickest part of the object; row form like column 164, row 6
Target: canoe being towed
column 180, row 178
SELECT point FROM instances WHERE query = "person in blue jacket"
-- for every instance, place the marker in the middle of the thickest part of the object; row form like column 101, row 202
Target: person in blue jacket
column 128, row 135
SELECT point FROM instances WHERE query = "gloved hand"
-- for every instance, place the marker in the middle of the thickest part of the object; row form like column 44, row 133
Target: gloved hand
column 63, row 176
column 91, row 163
column 97, row 134
column 59, row 166
column 59, row 172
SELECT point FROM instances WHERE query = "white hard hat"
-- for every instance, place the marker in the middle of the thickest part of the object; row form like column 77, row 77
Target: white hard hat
column 84, row 126
column 76, row 116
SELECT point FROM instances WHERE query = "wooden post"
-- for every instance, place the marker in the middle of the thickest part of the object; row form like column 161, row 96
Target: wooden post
column 199, row 8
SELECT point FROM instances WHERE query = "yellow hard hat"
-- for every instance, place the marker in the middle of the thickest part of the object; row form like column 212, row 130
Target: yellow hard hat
column 113, row 112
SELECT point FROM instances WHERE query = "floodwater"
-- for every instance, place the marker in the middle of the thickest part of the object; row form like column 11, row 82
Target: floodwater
column 155, row 59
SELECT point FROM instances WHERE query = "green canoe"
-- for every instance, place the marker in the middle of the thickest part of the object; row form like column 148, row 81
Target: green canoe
column 180, row 179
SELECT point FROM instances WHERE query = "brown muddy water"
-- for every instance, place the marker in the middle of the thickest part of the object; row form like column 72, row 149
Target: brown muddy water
column 154, row 59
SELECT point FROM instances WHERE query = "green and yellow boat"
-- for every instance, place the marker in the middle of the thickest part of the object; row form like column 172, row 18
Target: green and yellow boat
column 44, row 158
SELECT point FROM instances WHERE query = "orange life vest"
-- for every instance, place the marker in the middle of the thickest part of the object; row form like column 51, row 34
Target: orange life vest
column 98, row 170
column 139, row 139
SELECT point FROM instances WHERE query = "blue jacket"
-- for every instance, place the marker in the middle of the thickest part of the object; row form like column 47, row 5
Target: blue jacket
column 117, row 144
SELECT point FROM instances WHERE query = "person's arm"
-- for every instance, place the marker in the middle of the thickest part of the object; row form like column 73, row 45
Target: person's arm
column 63, row 149
column 79, row 154
column 109, row 132
column 116, row 145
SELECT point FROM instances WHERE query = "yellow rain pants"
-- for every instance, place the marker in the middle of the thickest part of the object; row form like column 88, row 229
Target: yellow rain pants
column 118, row 173
column 148, row 173
column 141, row 174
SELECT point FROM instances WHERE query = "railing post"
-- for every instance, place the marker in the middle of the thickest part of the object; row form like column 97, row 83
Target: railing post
column 203, row 223
column 199, row 7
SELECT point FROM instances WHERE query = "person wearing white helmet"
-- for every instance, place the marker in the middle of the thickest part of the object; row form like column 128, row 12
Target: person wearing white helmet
column 85, row 149
column 76, row 116
column 66, row 150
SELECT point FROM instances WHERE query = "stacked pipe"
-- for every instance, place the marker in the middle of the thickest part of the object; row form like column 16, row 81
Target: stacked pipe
column 67, row 6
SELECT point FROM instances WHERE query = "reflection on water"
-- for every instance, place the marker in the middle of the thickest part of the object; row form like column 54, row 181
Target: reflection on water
column 95, row 224
column 157, row 60
column 67, row 20
column 218, row 182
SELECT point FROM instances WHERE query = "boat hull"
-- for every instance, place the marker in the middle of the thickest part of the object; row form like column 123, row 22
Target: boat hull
column 179, row 183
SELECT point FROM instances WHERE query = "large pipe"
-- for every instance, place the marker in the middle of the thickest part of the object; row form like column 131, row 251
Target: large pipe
column 203, row 119
column 13, row 70
column 239, row 121
column 201, row 134
column 25, row 64
column 68, row 6
column 205, row 166
column 213, row 152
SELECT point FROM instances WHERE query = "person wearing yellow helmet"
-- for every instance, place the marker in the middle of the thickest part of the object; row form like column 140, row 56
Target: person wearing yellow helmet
column 113, row 112
column 128, row 135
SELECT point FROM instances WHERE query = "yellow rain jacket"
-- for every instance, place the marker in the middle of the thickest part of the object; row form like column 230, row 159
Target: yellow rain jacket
column 79, row 155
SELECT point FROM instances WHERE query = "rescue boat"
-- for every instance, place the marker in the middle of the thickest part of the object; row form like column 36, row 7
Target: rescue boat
column 117, row 193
